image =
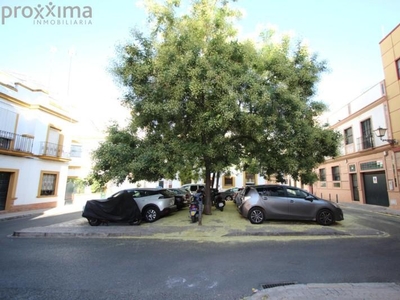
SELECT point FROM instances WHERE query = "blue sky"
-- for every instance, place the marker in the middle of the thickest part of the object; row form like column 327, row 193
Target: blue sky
column 345, row 33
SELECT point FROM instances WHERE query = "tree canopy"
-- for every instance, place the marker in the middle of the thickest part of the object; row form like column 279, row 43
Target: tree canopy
column 202, row 100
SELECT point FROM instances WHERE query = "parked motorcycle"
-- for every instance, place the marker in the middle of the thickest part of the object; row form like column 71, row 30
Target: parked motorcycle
column 219, row 202
column 195, row 206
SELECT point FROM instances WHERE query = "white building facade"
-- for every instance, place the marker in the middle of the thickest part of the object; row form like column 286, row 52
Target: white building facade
column 35, row 146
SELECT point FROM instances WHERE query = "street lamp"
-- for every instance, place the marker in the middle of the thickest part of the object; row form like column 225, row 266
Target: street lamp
column 380, row 132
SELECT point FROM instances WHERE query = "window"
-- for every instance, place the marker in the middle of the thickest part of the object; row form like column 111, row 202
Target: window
column 335, row 173
column 271, row 191
column 348, row 136
column 76, row 150
column 250, row 178
column 5, row 143
column 398, row 68
column 322, row 175
column 295, row 193
column 54, row 140
column 228, row 181
column 383, row 89
column 8, row 120
column 366, row 134
column 48, row 184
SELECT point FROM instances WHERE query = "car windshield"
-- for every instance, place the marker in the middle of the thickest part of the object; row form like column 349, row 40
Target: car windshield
column 117, row 194
column 167, row 193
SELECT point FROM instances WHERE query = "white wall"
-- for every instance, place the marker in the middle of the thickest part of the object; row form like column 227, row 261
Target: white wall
column 29, row 178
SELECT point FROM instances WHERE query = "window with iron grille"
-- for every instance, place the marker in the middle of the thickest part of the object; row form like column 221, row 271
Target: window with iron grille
column 348, row 136
column 76, row 151
column 322, row 175
column 366, row 132
column 250, row 178
column 335, row 173
column 228, row 181
column 48, row 184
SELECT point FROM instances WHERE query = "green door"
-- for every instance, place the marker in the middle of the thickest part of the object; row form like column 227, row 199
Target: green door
column 375, row 189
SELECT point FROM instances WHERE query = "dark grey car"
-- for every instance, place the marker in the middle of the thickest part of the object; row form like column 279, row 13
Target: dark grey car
column 281, row 202
column 228, row 194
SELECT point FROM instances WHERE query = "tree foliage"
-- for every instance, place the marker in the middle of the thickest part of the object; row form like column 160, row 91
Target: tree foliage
column 203, row 100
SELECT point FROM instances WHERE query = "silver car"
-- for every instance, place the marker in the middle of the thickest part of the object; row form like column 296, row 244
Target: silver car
column 193, row 187
column 153, row 202
column 281, row 202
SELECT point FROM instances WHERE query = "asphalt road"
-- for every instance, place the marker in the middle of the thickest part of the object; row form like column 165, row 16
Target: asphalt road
column 54, row 268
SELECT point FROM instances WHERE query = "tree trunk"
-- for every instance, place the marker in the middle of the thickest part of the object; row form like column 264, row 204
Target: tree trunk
column 216, row 183
column 207, row 204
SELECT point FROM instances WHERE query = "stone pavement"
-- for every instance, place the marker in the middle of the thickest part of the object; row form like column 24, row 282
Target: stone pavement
column 229, row 226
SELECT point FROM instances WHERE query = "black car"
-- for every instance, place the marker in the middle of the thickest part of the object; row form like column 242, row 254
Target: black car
column 119, row 209
column 152, row 203
column 182, row 197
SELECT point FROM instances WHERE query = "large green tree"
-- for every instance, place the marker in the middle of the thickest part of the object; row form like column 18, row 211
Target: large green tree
column 202, row 100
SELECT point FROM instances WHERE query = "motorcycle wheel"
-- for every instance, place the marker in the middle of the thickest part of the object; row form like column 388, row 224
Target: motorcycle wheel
column 194, row 219
column 94, row 222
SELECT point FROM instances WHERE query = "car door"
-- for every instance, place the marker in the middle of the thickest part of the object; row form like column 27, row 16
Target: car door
column 138, row 196
column 299, row 207
column 274, row 202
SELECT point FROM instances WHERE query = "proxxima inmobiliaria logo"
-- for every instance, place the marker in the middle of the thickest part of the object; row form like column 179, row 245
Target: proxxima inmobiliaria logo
column 49, row 14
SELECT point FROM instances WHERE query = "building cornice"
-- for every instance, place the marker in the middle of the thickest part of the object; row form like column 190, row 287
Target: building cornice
column 382, row 100
column 360, row 153
column 38, row 107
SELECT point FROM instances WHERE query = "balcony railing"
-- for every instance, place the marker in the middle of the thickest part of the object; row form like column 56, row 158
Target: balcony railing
column 15, row 142
column 365, row 142
column 54, row 150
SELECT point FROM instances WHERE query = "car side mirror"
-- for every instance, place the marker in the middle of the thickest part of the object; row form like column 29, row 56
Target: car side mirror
column 309, row 198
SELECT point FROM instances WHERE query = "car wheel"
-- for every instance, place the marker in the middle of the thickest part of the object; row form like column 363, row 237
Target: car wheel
column 229, row 198
column 151, row 214
column 94, row 222
column 256, row 215
column 325, row 217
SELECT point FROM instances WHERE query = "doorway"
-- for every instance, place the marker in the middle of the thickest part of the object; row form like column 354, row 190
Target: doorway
column 354, row 187
column 4, row 184
column 375, row 189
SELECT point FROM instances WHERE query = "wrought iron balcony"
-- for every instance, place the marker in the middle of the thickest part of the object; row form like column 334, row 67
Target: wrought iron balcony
column 15, row 142
column 53, row 150
column 365, row 142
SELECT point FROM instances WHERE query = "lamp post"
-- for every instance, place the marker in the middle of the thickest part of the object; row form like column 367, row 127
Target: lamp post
column 380, row 132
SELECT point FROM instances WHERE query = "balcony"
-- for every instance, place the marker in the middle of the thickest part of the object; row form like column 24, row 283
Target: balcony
column 365, row 142
column 53, row 150
column 15, row 142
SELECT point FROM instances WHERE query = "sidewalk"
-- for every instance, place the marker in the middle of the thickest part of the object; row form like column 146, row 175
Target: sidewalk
column 342, row 291
column 226, row 226
column 229, row 226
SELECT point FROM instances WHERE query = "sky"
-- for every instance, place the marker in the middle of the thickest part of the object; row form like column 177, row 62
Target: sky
column 73, row 60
